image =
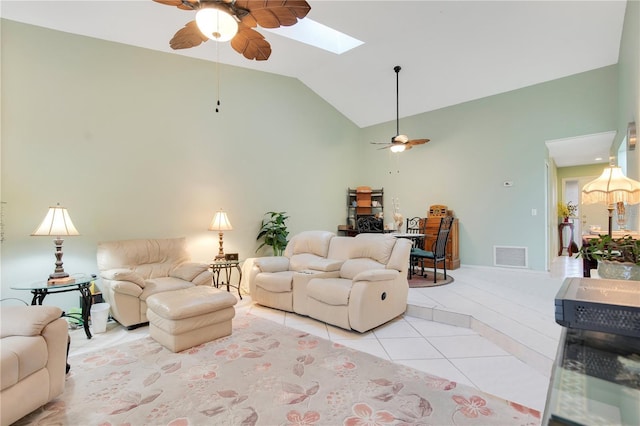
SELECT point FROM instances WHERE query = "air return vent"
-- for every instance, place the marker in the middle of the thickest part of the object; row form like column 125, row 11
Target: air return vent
column 512, row 257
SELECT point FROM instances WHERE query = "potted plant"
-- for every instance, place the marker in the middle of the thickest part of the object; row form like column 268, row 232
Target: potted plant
column 566, row 210
column 274, row 231
column 618, row 258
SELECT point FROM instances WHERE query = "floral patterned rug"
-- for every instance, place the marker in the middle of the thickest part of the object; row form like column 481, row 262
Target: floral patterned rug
column 263, row 374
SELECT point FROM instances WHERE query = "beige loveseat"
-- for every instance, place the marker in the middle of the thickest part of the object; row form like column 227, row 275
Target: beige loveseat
column 352, row 282
column 34, row 356
column 132, row 270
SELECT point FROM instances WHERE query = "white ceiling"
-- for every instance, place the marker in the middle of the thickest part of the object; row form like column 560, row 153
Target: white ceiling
column 450, row 51
column 579, row 150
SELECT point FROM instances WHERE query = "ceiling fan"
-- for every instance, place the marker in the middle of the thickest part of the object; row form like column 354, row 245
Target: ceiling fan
column 234, row 20
column 400, row 142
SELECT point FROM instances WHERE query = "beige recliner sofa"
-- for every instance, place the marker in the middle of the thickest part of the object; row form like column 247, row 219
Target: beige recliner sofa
column 354, row 283
column 34, row 356
column 132, row 270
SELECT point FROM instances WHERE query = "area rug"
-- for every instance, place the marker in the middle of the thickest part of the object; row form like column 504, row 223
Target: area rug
column 427, row 280
column 263, row 374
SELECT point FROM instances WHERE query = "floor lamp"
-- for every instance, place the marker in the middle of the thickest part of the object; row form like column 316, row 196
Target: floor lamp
column 610, row 188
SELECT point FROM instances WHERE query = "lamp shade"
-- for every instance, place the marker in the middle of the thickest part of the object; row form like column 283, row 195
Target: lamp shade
column 216, row 24
column 57, row 223
column 610, row 188
column 220, row 222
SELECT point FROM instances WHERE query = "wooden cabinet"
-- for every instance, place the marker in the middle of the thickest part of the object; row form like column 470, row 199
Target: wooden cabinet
column 453, row 247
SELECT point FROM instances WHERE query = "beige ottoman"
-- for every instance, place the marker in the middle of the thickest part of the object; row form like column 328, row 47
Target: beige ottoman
column 184, row 318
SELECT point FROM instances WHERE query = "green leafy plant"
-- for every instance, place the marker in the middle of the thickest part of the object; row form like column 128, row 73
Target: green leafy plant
column 604, row 247
column 274, row 231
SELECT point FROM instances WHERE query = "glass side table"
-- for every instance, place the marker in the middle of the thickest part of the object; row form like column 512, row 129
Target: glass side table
column 82, row 283
column 217, row 266
column 595, row 380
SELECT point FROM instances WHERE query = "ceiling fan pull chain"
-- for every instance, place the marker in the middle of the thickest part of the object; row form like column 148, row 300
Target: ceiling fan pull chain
column 218, row 74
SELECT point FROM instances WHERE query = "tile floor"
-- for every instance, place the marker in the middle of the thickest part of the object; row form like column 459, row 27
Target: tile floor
column 492, row 329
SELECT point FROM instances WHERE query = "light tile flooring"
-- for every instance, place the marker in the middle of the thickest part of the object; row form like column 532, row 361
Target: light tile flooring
column 492, row 329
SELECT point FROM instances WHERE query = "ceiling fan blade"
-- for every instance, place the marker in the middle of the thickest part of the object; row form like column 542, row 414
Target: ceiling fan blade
column 389, row 145
column 275, row 13
column 189, row 36
column 192, row 4
column 417, row 142
column 251, row 44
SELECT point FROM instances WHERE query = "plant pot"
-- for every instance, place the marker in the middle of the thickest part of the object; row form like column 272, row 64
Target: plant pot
column 618, row 270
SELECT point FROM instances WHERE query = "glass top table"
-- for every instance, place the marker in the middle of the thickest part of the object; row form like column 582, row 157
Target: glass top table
column 81, row 283
column 595, row 380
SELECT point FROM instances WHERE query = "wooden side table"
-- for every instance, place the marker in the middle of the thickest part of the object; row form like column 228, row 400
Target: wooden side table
column 561, row 227
column 227, row 266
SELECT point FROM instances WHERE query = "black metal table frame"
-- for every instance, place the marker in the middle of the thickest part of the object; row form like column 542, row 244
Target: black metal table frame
column 217, row 267
column 84, row 288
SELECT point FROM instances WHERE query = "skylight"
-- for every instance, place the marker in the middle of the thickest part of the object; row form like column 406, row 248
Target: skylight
column 316, row 34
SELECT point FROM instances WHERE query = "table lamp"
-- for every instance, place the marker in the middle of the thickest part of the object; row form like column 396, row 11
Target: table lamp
column 610, row 188
column 57, row 223
column 220, row 223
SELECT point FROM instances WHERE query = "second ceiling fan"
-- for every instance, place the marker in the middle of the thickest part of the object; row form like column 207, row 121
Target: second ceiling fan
column 400, row 142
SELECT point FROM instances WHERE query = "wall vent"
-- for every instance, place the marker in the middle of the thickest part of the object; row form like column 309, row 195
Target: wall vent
column 509, row 256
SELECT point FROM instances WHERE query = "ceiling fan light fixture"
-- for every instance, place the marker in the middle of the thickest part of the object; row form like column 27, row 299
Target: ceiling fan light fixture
column 216, row 24
column 397, row 148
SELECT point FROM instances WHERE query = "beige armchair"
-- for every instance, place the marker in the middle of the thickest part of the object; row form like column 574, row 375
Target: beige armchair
column 34, row 356
column 132, row 270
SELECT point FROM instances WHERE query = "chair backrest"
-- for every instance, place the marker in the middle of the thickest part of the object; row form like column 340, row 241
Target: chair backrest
column 369, row 224
column 439, row 250
column 415, row 225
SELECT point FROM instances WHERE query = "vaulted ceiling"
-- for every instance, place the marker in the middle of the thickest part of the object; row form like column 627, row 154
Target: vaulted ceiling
column 450, row 51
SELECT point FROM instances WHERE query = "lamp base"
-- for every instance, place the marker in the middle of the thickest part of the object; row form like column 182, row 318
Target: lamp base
column 56, row 275
column 219, row 257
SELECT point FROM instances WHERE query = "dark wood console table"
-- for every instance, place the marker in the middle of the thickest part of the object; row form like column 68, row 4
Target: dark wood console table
column 561, row 227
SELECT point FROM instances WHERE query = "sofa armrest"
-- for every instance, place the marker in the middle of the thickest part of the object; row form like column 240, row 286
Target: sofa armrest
column 124, row 287
column 123, row 275
column 377, row 275
column 26, row 320
column 191, row 271
column 272, row 264
column 326, row 265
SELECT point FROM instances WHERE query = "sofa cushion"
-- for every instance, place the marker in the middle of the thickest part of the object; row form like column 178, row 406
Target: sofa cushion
column 188, row 271
column 315, row 242
column 133, row 253
column 159, row 285
column 275, row 282
column 21, row 357
column 353, row 267
column 331, row 291
column 374, row 246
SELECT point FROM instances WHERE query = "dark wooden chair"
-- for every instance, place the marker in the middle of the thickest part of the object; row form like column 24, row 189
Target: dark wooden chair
column 438, row 252
column 369, row 224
